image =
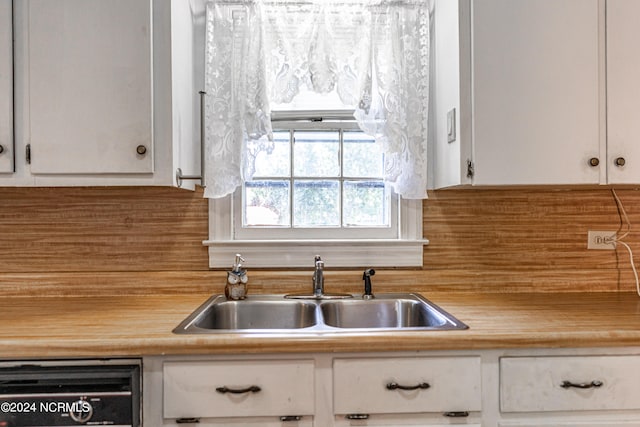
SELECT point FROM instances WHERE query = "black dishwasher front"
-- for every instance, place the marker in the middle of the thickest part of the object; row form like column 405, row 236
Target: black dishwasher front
column 70, row 393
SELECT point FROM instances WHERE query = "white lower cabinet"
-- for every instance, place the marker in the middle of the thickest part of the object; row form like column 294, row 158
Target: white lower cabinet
column 545, row 384
column 239, row 392
column 579, row 387
column 570, row 391
column 434, row 389
column 321, row 390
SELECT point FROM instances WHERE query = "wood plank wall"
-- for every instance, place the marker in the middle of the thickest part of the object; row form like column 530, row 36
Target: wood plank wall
column 529, row 238
column 481, row 241
column 88, row 229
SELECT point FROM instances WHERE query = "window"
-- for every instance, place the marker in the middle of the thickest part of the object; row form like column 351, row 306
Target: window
column 323, row 177
column 319, row 192
column 289, row 70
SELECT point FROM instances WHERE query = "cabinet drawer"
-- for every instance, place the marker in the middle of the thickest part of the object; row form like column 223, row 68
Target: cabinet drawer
column 285, row 388
column 530, row 384
column 362, row 385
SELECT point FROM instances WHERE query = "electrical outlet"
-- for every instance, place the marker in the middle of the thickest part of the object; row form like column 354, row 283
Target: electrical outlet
column 603, row 240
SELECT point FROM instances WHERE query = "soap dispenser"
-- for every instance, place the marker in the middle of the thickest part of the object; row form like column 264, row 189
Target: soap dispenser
column 236, row 287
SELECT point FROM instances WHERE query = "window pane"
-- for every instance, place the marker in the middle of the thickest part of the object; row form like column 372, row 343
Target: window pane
column 316, row 203
column 266, row 203
column 362, row 156
column 275, row 164
column 366, row 204
column 316, row 154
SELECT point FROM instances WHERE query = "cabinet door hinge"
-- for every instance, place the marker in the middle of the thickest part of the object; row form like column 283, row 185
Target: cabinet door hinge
column 470, row 170
column 28, row 154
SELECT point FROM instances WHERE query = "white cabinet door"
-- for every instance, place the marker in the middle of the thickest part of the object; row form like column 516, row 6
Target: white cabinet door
column 535, row 78
column 623, row 91
column 229, row 389
column 6, row 87
column 407, row 385
column 581, row 383
column 89, row 86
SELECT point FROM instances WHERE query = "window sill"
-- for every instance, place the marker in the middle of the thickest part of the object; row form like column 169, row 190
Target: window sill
column 335, row 253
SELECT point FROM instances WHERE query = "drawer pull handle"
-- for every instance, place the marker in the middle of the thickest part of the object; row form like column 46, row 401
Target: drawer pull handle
column 592, row 384
column 187, row 420
column 396, row 386
column 288, row 418
column 456, row 414
column 357, row 416
column 251, row 389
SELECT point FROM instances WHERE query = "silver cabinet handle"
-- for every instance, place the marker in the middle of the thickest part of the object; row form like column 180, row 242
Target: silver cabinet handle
column 456, row 414
column 396, row 386
column 189, row 420
column 141, row 149
column 250, row 389
column 288, row 418
column 357, row 416
column 592, row 384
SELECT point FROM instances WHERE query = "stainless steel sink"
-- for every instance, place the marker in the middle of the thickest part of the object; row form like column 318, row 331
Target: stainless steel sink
column 275, row 314
column 396, row 312
column 255, row 313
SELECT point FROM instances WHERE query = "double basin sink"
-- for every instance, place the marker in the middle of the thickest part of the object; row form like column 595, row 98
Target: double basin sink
column 277, row 314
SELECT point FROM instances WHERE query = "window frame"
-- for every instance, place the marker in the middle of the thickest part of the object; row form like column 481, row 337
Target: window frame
column 405, row 251
column 400, row 245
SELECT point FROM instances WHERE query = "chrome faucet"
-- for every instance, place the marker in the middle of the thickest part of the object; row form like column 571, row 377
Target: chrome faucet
column 318, row 277
column 318, row 285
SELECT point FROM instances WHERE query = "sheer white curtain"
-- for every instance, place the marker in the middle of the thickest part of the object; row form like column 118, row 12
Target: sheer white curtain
column 373, row 54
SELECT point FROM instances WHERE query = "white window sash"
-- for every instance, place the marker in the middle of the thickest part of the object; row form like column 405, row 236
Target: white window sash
column 405, row 251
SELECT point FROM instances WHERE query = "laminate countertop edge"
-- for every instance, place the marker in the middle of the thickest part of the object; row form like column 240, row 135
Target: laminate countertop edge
column 132, row 326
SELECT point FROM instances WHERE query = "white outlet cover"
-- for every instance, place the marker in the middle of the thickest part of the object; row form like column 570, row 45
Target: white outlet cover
column 601, row 240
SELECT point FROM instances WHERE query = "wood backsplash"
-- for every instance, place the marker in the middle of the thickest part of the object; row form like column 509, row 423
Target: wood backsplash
column 84, row 229
column 481, row 240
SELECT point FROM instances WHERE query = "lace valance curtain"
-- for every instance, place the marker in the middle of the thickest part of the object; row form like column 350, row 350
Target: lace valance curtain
column 373, row 54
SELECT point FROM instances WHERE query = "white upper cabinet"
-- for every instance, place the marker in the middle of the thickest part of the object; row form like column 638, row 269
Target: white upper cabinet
column 6, row 87
column 536, row 97
column 89, row 86
column 524, row 78
column 623, row 92
column 98, row 99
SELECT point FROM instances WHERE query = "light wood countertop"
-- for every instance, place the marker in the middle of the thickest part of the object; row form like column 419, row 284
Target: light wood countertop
column 135, row 325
